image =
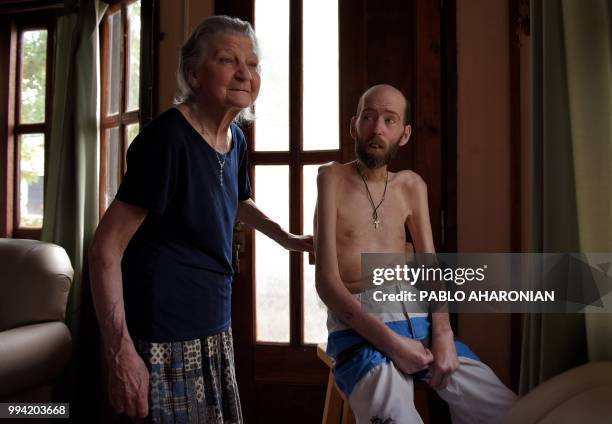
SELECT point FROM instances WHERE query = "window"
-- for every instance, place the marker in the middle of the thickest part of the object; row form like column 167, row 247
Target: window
column 29, row 82
column 296, row 130
column 120, row 35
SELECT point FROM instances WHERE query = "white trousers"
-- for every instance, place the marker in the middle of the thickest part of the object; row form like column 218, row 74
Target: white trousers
column 474, row 395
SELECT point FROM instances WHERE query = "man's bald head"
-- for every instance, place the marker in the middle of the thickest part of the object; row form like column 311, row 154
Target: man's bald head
column 384, row 90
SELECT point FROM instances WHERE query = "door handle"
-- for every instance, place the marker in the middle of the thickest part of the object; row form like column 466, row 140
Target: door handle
column 238, row 245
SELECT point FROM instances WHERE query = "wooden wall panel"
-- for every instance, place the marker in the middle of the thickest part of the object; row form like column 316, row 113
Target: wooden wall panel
column 176, row 20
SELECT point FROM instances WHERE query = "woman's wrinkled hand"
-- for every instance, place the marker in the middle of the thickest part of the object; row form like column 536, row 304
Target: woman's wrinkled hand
column 128, row 382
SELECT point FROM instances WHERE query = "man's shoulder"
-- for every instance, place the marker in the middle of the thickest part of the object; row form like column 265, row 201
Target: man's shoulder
column 411, row 183
column 410, row 179
column 331, row 170
column 332, row 166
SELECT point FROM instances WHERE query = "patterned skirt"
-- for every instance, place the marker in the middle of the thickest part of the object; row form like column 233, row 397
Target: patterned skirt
column 192, row 381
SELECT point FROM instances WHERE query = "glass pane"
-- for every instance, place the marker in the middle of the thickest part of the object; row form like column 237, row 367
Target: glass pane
column 33, row 76
column 320, row 81
column 31, row 180
column 113, row 165
column 131, row 131
column 271, row 260
column 315, row 311
column 115, row 51
column 133, row 11
column 272, row 106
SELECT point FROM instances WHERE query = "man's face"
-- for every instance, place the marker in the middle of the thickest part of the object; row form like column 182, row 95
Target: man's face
column 379, row 129
column 372, row 155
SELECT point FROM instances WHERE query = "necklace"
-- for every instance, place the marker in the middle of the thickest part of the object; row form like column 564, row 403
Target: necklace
column 221, row 164
column 202, row 131
column 375, row 219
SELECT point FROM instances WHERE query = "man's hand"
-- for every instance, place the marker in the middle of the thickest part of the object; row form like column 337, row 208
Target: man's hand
column 445, row 360
column 128, row 381
column 299, row 243
column 409, row 355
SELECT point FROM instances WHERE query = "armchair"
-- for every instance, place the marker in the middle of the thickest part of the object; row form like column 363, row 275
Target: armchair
column 35, row 343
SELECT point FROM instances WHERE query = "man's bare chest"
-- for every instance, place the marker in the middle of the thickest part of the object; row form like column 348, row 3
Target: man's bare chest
column 359, row 219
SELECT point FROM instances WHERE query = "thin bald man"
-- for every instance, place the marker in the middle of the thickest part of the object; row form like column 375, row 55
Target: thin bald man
column 362, row 207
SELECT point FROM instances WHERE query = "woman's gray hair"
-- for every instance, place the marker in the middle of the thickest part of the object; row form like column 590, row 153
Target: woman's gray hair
column 194, row 50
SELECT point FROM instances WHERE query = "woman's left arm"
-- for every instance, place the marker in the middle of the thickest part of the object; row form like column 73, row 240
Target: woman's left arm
column 250, row 214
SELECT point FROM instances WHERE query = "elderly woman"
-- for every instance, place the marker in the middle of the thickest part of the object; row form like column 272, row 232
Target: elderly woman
column 161, row 259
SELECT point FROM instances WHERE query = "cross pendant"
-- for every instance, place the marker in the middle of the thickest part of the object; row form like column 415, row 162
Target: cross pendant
column 376, row 222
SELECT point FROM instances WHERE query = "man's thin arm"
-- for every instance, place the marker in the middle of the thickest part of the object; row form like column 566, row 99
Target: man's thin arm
column 442, row 344
column 419, row 226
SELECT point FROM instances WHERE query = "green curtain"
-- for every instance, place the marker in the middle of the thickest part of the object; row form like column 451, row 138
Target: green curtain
column 571, row 160
column 587, row 29
column 71, row 195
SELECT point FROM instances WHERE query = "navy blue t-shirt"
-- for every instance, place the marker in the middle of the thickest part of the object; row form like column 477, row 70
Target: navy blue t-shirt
column 177, row 269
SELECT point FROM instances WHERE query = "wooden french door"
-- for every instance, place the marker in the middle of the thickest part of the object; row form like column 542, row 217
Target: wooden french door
column 391, row 41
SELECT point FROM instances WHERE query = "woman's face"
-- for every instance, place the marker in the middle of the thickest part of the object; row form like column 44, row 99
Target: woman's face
column 229, row 73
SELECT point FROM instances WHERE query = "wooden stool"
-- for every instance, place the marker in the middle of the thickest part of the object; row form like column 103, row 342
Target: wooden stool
column 337, row 409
